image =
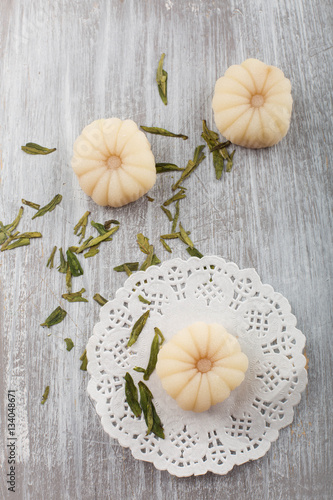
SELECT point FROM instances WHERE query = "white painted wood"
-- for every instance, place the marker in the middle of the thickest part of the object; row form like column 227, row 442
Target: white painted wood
column 64, row 64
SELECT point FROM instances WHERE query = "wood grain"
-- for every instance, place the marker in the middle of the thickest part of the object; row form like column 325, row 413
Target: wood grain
column 66, row 63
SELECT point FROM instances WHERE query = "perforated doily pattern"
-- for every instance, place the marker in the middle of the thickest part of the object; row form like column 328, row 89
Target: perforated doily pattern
column 180, row 293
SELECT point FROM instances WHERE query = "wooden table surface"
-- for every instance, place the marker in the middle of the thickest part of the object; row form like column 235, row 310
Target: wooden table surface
column 68, row 62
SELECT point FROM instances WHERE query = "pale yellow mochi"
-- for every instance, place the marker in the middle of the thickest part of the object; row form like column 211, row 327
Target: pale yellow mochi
column 200, row 365
column 114, row 162
column 252, row 104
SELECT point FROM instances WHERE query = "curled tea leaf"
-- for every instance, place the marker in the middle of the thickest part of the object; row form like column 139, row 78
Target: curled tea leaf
column 69, row 344
column 49, row 207
column 137, row 328
column 32, row 148
column 57, row 316
column 131, row 394
column 162, row 131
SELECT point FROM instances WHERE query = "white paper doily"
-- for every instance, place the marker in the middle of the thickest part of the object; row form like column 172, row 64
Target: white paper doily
column 181, row 292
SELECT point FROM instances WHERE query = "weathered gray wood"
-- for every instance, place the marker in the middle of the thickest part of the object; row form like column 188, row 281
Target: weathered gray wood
column 64, row 64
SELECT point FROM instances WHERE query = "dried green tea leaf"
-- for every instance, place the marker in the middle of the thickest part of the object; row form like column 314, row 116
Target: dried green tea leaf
column 99, row 299
column 95, row 241
column 175, row 219
column 45, row 395
column 139, row 369
column 74, row 264
column 178, row 196
column 198, row 157
column 84, row 246
column 131, row 394
column 137, row 328
column 167, row 213
column 132, row 266
column 149, row 198
column 7, row 240
column 162, row 131
column 218, row 162
column 152, row 420
column 75, row 296
column 161, row 79
column 35, row 149
column 143, row 300
column 127, row 270
column 218, row 149
column 107, row 223
column 143, row 243
column 155, row 260
column 149, row 260
column 154, row 349
column 81, row 226
column 57, row 316
column 173, row 236
column 220, row 145
column 62, row 268
column 166, row 246
column 230, row 161
column 68, row 279
column 3, row 236
column 194, row 252
column 92, row 252
column 160, row 334
column 161, row 168
column 19, row 243
column 31, row 204
column 29, row 235
column 100, row 227
column 69, row 344
column 13, row 225
column 50, row 262
column 49, row 207
column 84, row 360
column 184, row 236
